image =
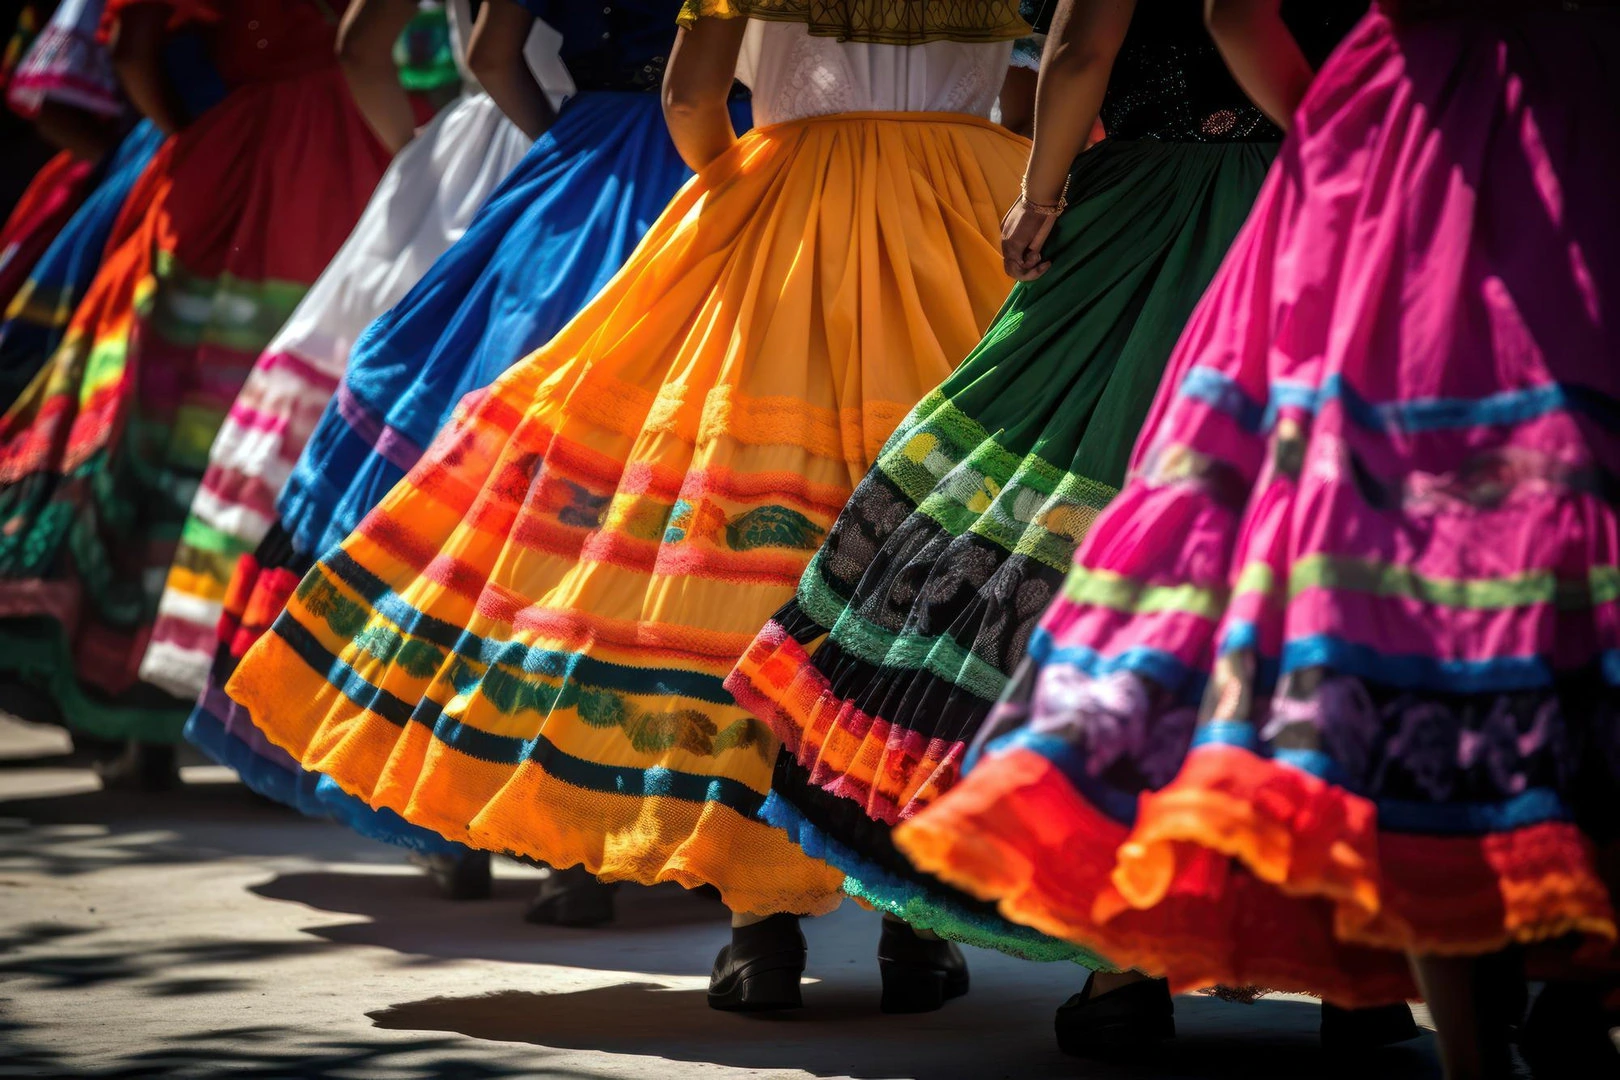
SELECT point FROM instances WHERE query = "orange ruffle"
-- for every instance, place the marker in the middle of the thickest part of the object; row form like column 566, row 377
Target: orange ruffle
column 1444, row 895
column 1021, row 836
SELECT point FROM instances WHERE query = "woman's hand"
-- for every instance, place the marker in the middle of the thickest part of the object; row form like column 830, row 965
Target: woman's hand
column 1023, row 236
column 1079, row 57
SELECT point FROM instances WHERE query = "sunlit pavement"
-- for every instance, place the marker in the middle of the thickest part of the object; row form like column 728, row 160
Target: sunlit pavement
column 207, row 932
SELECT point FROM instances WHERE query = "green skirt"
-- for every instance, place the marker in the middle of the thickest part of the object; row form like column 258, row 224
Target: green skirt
column 910, row 620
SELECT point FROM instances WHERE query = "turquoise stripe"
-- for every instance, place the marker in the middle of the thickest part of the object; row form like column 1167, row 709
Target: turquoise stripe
column 1156, row 664
column 1534, row 807
column 1224, row 394
column 1502, row 674
column 1499, row 674
column 1537, row 806
column 510, row 750
column 1074, row 764
column 1227, row 733
column 1238, row 635
column 1317, row 763
column 510, row 655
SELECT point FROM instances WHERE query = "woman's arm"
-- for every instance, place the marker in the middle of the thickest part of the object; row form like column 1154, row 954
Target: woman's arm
column 365, row 49
column 495, row 55
column 83, row 134
column 1263, row 55
column 1085, row 38
column 1018, row 101
column 697, row 83
column 137, row 57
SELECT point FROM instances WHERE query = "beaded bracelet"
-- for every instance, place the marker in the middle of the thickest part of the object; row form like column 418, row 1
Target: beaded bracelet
column 1045, row 209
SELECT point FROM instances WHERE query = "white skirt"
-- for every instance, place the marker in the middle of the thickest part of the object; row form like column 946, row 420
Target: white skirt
column 422, row 206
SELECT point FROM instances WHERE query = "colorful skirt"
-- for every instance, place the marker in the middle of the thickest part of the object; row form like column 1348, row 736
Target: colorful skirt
column 101, row 454
column 523, row 646
column 916, row 611
column 53, row 197
column 39, row 313
column 423, row 205
column 412, row 366
column 1335, row 677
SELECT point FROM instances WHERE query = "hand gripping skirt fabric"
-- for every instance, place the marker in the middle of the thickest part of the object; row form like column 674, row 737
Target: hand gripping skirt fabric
column 423, row 204
column 913, row 615
column 523, row 646
column 575, row 206
column 101, row 454
column 52, row 198
column 37, row 316
column 1334, row 678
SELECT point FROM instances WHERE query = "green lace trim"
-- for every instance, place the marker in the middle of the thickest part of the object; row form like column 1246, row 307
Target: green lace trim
column 957, row 473
column 1009, row 938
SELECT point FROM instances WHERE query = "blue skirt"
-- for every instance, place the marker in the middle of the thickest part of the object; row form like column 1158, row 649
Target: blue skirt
column 549, row 238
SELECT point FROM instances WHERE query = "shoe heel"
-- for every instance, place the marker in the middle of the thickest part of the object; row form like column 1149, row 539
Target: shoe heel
column 775, row 988
column 914, row 990
column 469, row 879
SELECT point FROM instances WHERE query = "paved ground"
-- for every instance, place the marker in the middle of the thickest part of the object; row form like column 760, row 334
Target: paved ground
column 209, row 933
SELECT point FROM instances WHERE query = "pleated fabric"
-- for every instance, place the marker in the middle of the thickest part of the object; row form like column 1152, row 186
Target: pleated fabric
column 54, row 282
column 1334, row 678
column 49, row 203
column 422, row 206
column 578, row 202
column 101, row 454
column 522, row 647
column 914, row 614
column 38, row 314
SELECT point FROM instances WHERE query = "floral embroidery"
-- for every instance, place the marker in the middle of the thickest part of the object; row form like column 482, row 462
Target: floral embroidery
column 773, row 526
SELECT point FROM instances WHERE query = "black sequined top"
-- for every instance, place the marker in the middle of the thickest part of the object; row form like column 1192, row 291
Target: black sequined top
column 612, row 44
column 1169, row 81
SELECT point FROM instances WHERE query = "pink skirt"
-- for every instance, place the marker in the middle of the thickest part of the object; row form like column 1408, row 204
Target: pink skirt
column 1346, row 649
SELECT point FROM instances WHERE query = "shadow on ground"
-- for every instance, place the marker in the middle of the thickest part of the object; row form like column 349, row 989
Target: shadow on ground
column 272, row 1052
column 85, row 831
column 26, row 953
column 664, row 930
column 841, row 1033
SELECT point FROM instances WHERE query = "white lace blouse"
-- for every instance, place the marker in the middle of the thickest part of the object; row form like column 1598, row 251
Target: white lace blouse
column 794, row 74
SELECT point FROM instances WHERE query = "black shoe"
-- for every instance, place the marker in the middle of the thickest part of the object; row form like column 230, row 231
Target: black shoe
column 141, row 767
column 1349, row 1030
column 1136, row 1015
column 571, row 897
column 463, row 875
column 919, row 974
column 1566, row 1034
column 761, row 967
